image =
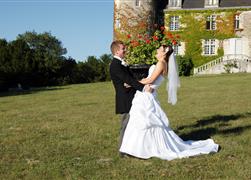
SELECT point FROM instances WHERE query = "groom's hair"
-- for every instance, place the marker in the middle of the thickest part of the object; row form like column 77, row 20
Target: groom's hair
column 115, row 46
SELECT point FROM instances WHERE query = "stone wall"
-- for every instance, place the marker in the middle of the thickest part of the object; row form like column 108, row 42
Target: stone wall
column 132, row 19
column 246, row 30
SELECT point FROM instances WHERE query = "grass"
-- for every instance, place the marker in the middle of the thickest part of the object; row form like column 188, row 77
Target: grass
column 71, row 132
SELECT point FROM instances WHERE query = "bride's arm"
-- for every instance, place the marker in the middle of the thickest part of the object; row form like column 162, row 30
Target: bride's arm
column 157, row 71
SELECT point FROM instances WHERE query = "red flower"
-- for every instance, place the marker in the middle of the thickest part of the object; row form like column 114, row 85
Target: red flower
column 148, row 41
column 170, row 35
column 155, row 38
column 142, row 46
column 174, row 42
column 134, row 43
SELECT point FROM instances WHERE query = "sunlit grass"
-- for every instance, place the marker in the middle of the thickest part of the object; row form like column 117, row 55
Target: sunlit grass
column 71, row 132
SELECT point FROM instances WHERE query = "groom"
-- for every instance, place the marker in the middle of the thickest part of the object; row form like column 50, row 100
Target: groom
column 120, row 76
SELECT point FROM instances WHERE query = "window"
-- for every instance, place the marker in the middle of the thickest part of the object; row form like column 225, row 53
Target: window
column 174, row 23
column 176, row 49
column 117, row 24
column 237, row 21
column 211, row 22
column 137, row 3
column 209, row 47
column 175, row 3
column 179, row 49
column 211, row 2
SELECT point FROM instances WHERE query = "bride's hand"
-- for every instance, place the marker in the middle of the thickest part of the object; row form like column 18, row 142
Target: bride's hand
column 144, row 81
column 148, row 88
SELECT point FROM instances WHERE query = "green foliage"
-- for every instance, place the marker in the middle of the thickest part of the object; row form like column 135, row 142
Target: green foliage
column 193, row 30
column 67, row 71
column 44, row 42
column 4, row 64
column 48, row 50
column 99, row 67
column 105, row 61
column 4, row 54
column 229, row 66
column 185, row 65
column 38, row 60
column 141, row 49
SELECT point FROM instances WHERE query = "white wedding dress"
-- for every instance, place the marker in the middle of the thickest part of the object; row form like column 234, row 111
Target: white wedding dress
column 148, row 133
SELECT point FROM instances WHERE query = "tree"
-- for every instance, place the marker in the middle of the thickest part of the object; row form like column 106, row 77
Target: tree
column 48, row 53
column 105, row 62
column 85, row 73
column 185, row 65
column 95, row 68
column 68, row 71
column 4, row 58
column 20, row 62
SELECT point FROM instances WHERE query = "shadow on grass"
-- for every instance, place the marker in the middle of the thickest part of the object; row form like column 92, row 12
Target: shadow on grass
column 30, row 91
column 220, row 120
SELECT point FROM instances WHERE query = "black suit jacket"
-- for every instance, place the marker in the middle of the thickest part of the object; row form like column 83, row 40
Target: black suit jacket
column 124, row 96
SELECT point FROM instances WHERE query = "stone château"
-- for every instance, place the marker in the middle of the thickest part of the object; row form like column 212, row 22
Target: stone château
column 215, row 34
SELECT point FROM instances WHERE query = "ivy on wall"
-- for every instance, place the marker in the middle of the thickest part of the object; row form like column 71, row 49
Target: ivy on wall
column 193, row 30
column 131, row 22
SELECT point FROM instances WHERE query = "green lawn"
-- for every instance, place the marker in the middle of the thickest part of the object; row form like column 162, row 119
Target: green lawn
column 71, row 132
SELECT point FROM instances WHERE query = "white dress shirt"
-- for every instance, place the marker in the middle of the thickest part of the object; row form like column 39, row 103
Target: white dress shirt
column 122, row 60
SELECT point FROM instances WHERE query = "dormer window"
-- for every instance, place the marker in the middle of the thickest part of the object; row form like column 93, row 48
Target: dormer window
column 174, row 4
column 137, row 3
column 211, row 3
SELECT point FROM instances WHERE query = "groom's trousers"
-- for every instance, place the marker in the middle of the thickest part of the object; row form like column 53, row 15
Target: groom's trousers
column 124, row 121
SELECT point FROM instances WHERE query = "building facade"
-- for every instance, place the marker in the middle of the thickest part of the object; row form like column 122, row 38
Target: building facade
column 215, row 34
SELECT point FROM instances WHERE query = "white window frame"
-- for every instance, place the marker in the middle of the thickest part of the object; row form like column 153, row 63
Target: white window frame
column 174, row 23
column 176, row 49
column 117, row 24
column 237, row 22
column 209, row 47
column 137, row 3
column 211, row 3
column 179, row 49
column 175, row 3
column 211, row 20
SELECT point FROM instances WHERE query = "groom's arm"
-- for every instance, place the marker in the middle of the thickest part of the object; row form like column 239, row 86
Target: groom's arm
column 126, row 77
column 156, row 73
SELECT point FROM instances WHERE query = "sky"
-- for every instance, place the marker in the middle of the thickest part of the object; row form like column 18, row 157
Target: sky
column 85, row 27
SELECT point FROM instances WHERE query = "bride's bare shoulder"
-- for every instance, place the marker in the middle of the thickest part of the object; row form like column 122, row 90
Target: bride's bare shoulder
column 161, row 64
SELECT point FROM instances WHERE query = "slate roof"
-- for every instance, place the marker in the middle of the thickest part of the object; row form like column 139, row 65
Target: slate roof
column 190, row 4
column 187, row 4
column 235, row 3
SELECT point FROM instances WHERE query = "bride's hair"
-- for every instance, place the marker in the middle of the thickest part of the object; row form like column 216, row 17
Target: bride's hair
column 168, row 52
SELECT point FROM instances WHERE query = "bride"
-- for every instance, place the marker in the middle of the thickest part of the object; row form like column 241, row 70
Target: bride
column 148, row 133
